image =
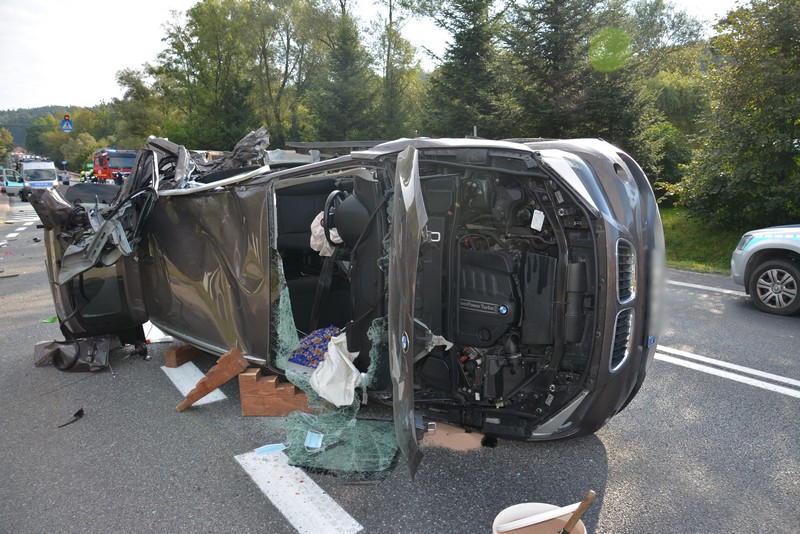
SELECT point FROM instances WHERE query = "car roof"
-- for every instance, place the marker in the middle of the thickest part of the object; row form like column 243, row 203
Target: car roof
column 398, row 145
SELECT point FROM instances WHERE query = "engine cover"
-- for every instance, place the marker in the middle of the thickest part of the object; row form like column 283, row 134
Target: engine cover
column 487, row 299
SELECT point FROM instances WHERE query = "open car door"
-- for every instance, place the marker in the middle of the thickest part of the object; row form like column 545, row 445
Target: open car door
column 408, row 220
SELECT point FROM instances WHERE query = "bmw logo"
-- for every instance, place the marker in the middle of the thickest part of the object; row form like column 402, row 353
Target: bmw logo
column 503, row 309
column 404, row 342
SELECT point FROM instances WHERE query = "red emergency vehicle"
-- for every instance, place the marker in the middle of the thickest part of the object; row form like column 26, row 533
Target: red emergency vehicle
column 107, row 161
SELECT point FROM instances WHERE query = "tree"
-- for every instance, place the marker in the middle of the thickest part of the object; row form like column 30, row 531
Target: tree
column 343, row 99
column 137, row 113
column 206, row 58
column 78, row 150
column 747, row 170
column 548, row 45
column 462, row 90
column 6, row 143
column 401, row 91
column 286, row 47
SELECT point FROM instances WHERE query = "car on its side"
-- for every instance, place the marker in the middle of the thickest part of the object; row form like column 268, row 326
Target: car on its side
column 507, row 286
column 12, row 182
column 767, row 263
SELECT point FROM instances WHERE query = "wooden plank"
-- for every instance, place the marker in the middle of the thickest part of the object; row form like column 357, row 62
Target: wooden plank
column 175, row 356
column 268, row 396
column 231, row 364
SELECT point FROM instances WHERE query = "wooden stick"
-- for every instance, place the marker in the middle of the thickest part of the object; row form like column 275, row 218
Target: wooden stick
column 576, row 515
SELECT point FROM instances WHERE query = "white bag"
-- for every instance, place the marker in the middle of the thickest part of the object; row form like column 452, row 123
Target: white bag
column 336, row 378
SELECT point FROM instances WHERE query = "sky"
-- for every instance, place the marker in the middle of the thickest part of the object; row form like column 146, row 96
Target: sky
column 54, row 52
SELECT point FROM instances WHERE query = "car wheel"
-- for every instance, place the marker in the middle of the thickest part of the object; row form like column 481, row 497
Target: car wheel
column 773, row 287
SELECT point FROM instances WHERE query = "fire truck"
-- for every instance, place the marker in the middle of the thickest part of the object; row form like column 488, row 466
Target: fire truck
column 108, row 161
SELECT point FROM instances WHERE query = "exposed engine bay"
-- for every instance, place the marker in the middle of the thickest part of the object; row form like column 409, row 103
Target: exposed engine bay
column 506, row 272
column 516, row 263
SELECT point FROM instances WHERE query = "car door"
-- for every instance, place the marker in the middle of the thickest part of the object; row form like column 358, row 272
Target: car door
column 408, row 221
column 12, row 182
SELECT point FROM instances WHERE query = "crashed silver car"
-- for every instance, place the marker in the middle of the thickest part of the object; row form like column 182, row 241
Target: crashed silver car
column 515, row 282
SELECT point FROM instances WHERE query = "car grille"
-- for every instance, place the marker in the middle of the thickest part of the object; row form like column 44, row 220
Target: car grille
column 621, row 346
column 626, row 272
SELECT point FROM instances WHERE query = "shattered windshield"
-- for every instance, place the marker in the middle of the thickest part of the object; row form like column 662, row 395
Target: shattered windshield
column 351, row 447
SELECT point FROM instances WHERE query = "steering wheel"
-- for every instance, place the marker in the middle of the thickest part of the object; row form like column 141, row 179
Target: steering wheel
column 335, row 198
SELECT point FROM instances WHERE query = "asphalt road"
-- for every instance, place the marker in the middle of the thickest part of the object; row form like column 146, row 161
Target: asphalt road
column 696, row 451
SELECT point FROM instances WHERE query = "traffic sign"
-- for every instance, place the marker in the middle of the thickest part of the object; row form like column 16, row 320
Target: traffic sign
column 66, row 124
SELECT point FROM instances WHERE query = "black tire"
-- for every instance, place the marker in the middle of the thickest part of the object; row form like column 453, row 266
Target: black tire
column 774, row 287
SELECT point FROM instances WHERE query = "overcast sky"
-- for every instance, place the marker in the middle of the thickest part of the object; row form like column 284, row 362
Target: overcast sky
column 57, row 52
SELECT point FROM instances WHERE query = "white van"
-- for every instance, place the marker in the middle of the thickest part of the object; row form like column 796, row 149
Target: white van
column 38, row 174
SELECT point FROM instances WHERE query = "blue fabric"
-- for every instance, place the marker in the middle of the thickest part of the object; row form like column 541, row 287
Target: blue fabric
column 313, row 347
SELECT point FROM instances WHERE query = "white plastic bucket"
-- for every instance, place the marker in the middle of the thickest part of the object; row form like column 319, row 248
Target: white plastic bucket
column 520, row 511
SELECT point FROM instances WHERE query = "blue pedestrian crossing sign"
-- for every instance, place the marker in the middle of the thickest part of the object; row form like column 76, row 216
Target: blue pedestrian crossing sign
column 66, row 124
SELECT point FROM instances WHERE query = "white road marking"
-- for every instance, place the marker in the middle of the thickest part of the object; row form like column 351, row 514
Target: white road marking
column 12, row 234
column 304, row 504
column 731, row 376
column 708, row 288
column 29, row 223
column 186, row 378
column 21, row 228
column 720, row 363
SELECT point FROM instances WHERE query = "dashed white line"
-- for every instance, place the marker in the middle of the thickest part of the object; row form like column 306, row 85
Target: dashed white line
column 21, row 228
column 12, row 234
column 708, row 288
column 304, row 504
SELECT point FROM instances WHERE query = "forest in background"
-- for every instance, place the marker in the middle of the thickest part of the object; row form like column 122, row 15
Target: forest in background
column 715, row 122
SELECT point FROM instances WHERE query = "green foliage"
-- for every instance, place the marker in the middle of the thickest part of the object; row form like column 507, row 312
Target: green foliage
column 747, row 169
column 6, row 143
column 681, row 97
column 78, row 150
column 17, row 121
column 137, row 113
column 694, row 245
column 400, row 99
column 205, row 61
column 462, row 89
column 284, row 38
column 343, row 97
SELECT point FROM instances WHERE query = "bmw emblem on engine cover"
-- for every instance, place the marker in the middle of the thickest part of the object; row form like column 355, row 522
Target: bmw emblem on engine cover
column 404, row 342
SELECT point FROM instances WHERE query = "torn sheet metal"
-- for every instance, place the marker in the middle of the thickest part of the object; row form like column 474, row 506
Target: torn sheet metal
column 409, row 218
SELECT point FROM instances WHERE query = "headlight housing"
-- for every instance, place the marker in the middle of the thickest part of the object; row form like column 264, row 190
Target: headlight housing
column 746, row 238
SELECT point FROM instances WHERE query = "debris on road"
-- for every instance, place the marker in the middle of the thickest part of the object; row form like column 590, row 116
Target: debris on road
column 77, row 415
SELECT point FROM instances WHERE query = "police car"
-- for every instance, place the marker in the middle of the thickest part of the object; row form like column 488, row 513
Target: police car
column 767, row 263
column 37, row 175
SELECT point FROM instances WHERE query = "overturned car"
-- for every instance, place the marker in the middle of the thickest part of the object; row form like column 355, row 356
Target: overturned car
column 516, row 283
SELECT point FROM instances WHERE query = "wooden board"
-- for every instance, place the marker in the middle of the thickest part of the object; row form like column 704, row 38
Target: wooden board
column 268, row 396
column 229, row 365
column 177, row 355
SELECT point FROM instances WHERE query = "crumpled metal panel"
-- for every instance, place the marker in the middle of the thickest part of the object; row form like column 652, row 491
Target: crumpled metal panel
column 79, row 355
column 206, row 277
column 408, row 219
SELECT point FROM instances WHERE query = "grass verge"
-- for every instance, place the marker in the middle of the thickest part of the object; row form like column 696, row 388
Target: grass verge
column 695, row 246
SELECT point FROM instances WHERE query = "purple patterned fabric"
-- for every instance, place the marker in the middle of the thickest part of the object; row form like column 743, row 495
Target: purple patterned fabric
column 313, row 347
